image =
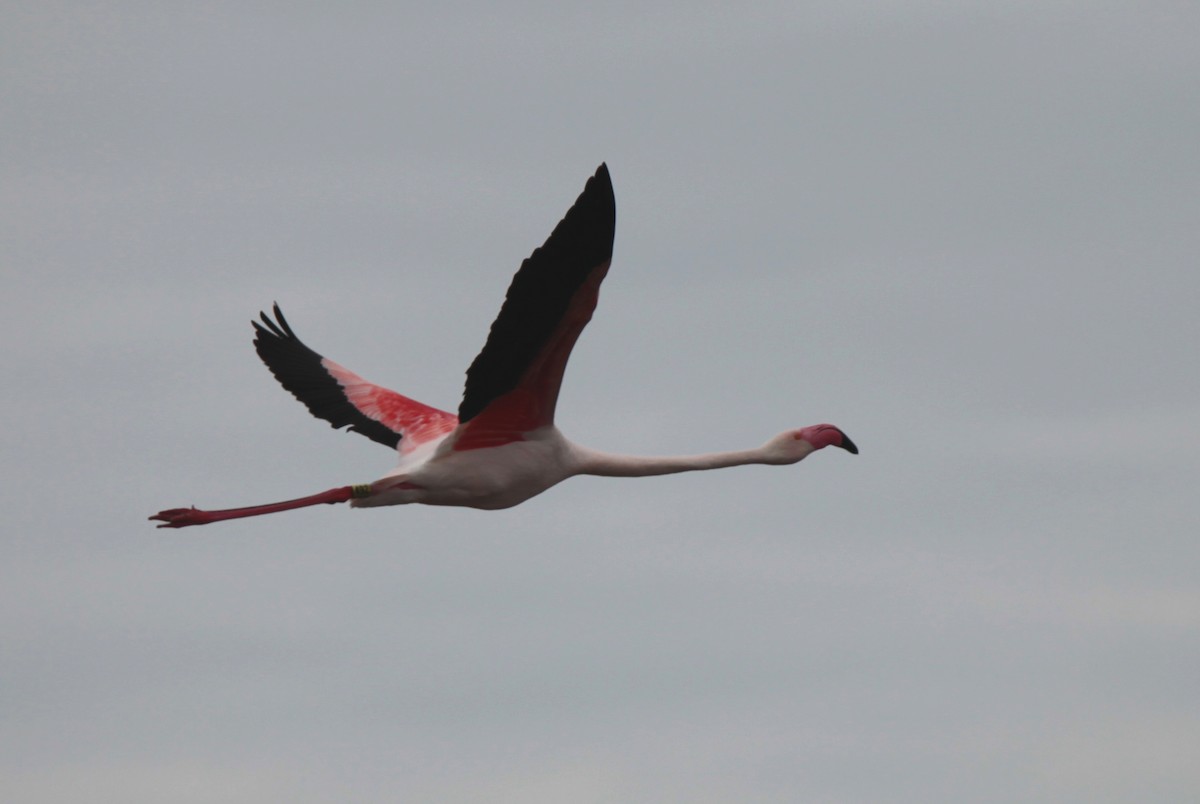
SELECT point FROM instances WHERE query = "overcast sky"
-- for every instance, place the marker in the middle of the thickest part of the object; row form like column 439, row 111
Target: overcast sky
column 965, row 232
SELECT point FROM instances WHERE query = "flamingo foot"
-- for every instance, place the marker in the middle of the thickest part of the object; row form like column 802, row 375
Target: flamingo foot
column 182, row 517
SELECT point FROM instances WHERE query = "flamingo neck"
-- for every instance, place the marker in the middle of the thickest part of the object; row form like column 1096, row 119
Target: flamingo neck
column 606, row 464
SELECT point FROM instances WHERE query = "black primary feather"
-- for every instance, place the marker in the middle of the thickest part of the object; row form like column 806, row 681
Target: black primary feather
column 300, row 371
column 541, row 293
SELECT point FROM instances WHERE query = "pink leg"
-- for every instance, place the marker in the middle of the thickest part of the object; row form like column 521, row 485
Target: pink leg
column 182, row 517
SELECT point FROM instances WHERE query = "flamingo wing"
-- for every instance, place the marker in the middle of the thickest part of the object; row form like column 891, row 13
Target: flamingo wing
column 341, row 397
column 512, row 386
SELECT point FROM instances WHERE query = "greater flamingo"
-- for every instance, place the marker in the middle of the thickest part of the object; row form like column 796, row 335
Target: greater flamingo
column 502, row 448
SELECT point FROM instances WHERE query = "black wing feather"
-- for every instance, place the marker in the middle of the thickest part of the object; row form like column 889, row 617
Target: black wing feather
column 299, row 370
column 541, row 293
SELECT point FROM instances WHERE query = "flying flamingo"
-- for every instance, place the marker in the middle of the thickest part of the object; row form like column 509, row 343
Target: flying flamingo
column 502, row 448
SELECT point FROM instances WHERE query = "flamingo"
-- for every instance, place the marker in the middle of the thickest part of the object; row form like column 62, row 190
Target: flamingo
column 502, row 448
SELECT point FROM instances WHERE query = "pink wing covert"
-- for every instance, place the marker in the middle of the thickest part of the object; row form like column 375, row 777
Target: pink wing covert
column 417, row 422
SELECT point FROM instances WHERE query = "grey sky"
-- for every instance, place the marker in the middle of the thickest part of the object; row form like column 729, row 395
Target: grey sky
column 964, row 232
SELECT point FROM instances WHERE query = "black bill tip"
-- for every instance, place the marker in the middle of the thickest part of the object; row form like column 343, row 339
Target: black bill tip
column 848, row 445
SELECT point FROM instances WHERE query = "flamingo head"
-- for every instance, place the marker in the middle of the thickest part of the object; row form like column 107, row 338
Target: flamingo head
column 795, row 445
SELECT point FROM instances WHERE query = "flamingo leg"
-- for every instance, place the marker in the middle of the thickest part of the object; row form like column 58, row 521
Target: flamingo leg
column 183, row 517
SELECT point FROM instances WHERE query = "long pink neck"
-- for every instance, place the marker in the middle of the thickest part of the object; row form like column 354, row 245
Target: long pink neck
column 606, row 464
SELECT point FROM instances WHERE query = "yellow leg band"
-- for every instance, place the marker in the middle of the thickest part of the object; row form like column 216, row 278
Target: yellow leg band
column 360, row 490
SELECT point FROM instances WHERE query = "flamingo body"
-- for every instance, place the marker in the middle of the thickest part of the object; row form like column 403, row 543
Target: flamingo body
column 502, row 447
column 490, row 478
